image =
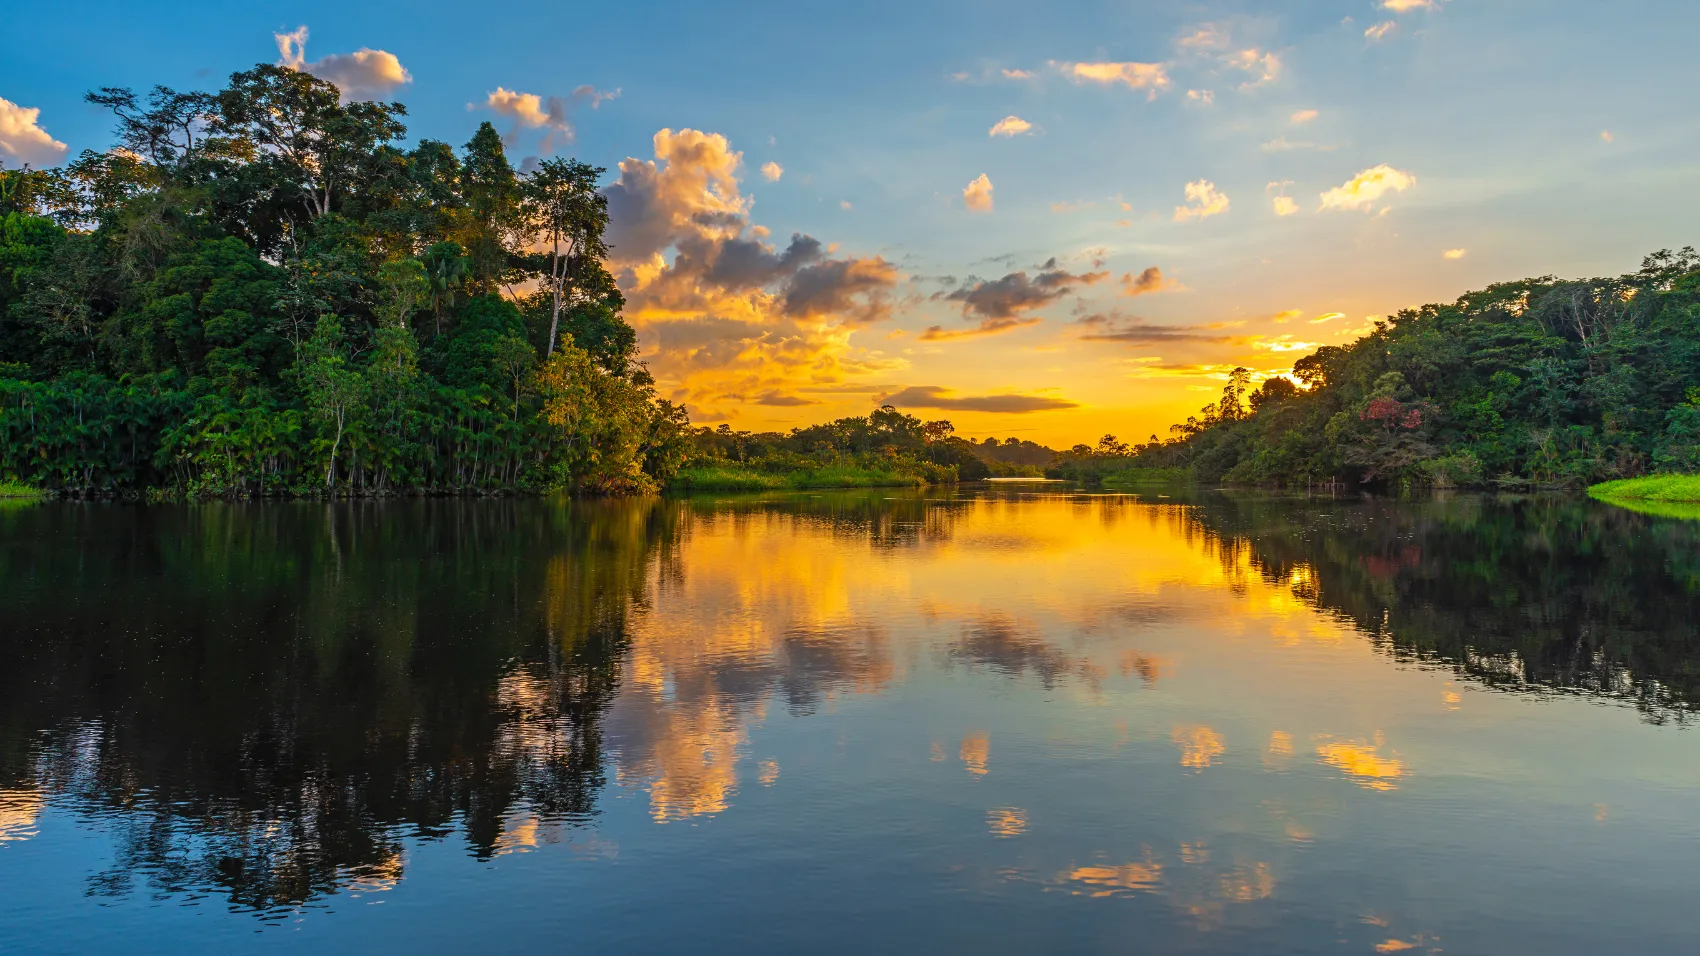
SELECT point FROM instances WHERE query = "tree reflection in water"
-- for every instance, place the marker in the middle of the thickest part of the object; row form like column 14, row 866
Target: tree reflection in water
column 269, row 702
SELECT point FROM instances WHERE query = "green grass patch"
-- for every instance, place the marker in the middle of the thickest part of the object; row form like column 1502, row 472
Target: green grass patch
column 1668, row 496
column 17, row 490
column 1134, row 477
column 737, row 478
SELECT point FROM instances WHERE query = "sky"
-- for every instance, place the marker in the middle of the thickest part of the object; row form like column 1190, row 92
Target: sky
column 1045, row 221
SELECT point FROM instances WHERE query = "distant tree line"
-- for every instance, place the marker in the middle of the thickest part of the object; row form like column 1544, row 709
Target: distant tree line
column 1543, row 382
column 260, row 291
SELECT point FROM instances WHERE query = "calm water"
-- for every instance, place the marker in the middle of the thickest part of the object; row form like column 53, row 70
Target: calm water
column 1002, row 721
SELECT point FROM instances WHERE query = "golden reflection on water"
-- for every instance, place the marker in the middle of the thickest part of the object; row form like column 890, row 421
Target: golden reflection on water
column 1363, row 761
column 975, row 751
column 1006, row 821
column 19, row 810
column 1199, row 745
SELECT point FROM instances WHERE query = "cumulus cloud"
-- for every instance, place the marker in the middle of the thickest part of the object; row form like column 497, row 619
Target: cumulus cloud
column 1207, row 36
column 531, row 111
column 1151, row 77
column 1285, row 206
column 1263, row 67
column 1203, row 201
column 1405, row 6
column 365, row 74
column 1201, row 97
column 771, row 171
column 1455, row 253
column 934, row 396
column 1380, row 30
column 1017, row 293
column 1366, row 188
column 1303, row 116
column 723, row 314
column 978, row 194
column 22, row 138
column 1010, row 126
column 1145, row 282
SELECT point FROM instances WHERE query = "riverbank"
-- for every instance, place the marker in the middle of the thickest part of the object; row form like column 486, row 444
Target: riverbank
column 738, row 478
column 1669, row 496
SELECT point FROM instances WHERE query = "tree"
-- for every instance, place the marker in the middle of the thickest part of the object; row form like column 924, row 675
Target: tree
column 446, row 267
column 570, row 215
column 335, row 392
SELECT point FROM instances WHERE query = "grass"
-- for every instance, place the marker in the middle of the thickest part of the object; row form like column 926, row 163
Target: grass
column 1133, row 477
column 735, row 478
column 19, row 490
column 1668, row 496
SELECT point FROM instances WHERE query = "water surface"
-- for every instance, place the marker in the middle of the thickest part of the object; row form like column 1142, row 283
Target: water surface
column 1012, row 720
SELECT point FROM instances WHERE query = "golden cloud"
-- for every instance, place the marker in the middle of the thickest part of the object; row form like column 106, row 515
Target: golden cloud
column 977, row 196
column 1010, row 126
column 771, row 171
column 1151, row 77
column 1303, row 116
column 1455, row 253
column 362, row 75
column 1204, row 200
column 1405, row 6
column 1145, row 282
column 1264, row 67
column 1285, row 206
column 1366, row 188
column 1381, row 30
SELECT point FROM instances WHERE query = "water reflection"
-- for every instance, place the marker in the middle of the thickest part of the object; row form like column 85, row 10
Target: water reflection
column 280, row 704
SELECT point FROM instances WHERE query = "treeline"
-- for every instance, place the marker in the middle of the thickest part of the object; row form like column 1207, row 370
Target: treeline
column 887, row 447
column 261, row 291
column 1538, row 383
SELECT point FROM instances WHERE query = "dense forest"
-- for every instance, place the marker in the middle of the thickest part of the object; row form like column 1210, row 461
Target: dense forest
column 1543, row 382
column 260, row 291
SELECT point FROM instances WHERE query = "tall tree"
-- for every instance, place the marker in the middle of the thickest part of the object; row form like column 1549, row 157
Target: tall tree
column 571, row 216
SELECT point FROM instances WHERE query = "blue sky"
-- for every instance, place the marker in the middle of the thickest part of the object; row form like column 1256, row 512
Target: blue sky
column 1538, row 138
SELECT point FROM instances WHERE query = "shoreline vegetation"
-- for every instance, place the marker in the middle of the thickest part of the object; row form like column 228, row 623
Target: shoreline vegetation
column 1667, row 496
column 263, row 292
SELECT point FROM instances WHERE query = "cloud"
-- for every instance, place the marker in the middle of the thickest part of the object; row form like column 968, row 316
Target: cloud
column 1381, row 30
column 1285, row 206
column 22, row 140
column 1205, row 201
column 1327, row 317
column 1363, row 190
column 1018, row 74
column 846, row 205
column 529, row 110
column 722, row 312
column 1016, row 293
column 1151, row 77
column 365, row 74
column 1207, row 36
column 771, row 171
column 1303, row 116
column 1201, row 97
column 1606, row 136
column 938, row 333
column 1264, row 67
column 1455, row 254
column 775, row 399
column 1136, row 331
column 1285, row 315
column 934, row 396
column 1010, row 126
column 1405, row 6
column 1144, row 283
column 978, row 195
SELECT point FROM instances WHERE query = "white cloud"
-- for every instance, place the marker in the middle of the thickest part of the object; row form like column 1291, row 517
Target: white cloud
column 1152, row 77
column 365, row 74
column 1363, row 190
column 978, row 194
column 1206, row 36
column 1284, row 206
column 1405, row 6
column 1010, row 126
column 1303, row 116
column 1017, row 74
column 1381, row 30
column 1455, row 254
column 1204, row 199
column 771, row 171
column 22, row 140
column 1201, row 97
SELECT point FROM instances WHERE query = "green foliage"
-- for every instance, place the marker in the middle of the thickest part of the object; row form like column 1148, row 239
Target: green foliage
column 261, row 293
column 886, row 449
column 1543, row 382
